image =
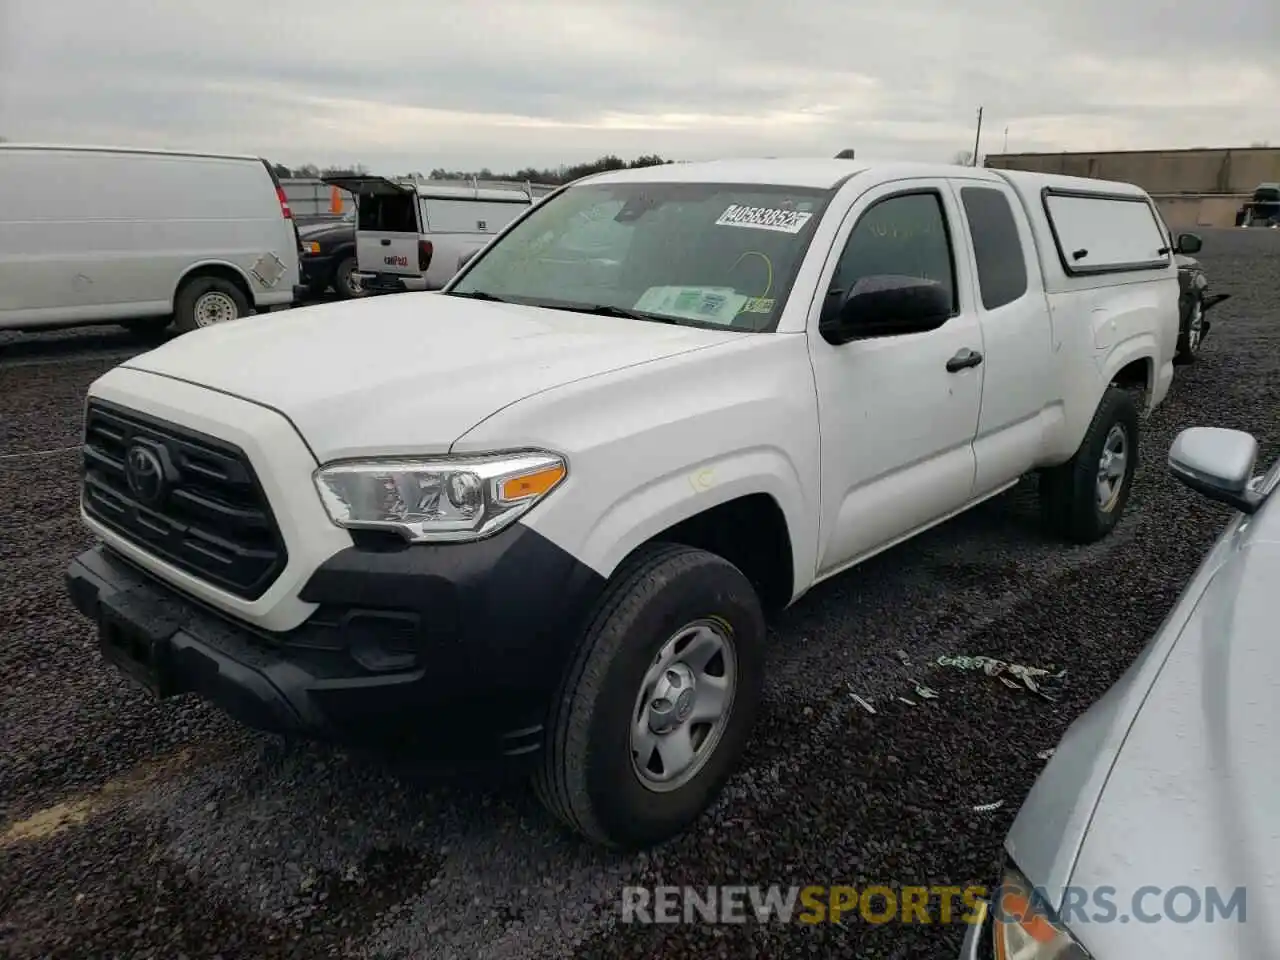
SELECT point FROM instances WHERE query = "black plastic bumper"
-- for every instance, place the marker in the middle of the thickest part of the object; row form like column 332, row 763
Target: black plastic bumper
column 314, row 269
column 448, row 653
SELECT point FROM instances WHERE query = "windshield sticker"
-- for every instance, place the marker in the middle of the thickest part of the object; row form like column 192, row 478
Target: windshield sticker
column 764, row 218
column 709, row 304
column 759, row 305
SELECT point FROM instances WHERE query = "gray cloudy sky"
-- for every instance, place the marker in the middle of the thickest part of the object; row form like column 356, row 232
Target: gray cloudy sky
column 415, row 84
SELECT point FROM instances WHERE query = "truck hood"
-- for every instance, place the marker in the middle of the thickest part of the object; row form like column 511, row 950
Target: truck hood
column 408, row 373
column 1193, row 797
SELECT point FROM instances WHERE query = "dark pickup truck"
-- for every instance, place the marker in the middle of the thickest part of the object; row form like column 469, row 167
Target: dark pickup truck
column 1194, row 301
column 328, row 257
column 1263, row 210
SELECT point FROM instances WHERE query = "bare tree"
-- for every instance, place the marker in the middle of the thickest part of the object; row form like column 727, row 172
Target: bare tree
column 962, row 158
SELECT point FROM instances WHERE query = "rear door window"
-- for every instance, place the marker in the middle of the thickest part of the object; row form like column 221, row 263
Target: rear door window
column 1002, row 265
column 1105, row 233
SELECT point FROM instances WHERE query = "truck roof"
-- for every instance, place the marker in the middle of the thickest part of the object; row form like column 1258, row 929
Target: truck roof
column 827, row 173
column 91, row 148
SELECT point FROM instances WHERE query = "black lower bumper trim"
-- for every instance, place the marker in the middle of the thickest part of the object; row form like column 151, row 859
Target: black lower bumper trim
column 476, row 691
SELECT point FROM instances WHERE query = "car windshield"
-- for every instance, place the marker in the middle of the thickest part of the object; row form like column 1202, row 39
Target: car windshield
column 702, row 254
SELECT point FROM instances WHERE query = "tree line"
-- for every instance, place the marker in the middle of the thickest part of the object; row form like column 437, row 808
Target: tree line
column 550, row 176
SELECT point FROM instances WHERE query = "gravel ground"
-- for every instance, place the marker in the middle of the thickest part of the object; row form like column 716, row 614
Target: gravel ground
column 134, row 829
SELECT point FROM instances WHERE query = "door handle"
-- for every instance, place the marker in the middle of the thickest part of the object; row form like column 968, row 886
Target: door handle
column 963, row 360
column 386, row 243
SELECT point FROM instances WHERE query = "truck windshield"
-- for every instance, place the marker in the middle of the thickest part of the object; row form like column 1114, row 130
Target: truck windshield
column 702, row 254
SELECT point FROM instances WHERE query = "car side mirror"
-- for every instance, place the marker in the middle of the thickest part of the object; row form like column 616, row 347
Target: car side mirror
column 885, row 306
column 1218, row 464
column 1189, row 244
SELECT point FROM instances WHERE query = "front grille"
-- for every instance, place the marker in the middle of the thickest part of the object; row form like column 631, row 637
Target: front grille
column 209, row 517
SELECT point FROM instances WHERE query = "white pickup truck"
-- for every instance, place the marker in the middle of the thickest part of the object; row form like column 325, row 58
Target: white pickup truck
column 545, row 511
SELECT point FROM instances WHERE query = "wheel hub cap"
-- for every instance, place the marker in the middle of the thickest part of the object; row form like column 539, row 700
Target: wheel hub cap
column 214, row 308
column 673, row 699
column 1111, row 467
column 683, row 705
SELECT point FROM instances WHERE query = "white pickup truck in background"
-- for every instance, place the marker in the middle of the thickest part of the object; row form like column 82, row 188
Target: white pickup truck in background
column 414, row 235
column 545, row 511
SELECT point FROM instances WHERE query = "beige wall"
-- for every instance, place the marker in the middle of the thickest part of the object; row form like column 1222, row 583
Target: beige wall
column 1194, row 188
column 1184, row 212
column 1160, row 171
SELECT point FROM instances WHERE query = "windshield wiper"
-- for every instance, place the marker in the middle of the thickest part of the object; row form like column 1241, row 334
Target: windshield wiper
column 479, row 295
column 607, row 310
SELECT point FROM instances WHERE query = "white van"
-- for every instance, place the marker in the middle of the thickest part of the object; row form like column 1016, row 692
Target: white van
column 414, row 235
column 140, row 237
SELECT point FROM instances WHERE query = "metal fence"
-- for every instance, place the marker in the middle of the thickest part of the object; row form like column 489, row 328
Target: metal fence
column 311, row 199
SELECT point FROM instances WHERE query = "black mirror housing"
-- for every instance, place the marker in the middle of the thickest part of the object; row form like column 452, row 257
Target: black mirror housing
column 1189, row 244
column 885, row 306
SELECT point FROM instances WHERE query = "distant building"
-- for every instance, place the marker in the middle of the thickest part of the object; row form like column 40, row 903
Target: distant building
column 1198, row 187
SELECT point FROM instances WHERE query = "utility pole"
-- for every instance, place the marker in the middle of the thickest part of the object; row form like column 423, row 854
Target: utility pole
column 977, row 140
column 1006, row 139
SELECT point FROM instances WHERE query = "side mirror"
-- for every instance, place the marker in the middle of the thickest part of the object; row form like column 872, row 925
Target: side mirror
column 1218, row 464
column 885, row 306
column 1189, row 244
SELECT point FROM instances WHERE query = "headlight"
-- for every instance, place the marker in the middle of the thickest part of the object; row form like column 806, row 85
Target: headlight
column 1024, row 927
column 452, row 499
column 310, row 246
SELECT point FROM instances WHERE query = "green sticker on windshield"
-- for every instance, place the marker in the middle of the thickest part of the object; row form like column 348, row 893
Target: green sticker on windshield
column 709, row 304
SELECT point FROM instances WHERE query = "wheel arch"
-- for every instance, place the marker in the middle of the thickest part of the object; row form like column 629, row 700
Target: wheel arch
column 215, row 268
column 711, row 506
column 1131, row 365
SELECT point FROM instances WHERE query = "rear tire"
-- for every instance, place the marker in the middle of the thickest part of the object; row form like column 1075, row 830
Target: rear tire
column 1082, row 500
column 640, row 690
column 206, row 301
column 1191, row 336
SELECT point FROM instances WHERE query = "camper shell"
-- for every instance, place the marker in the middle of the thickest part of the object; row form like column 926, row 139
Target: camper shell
column 414, row 234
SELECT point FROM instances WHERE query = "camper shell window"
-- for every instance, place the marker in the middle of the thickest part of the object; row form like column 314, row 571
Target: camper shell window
column 388, row 213
column 1101, row 233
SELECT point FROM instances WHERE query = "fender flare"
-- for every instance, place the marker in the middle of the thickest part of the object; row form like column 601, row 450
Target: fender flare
column 646, row 511
column 1140, row 347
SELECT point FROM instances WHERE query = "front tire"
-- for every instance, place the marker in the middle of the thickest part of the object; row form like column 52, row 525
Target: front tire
column 1082, row 500
column 206, row 301
column 1191, row 336
column 656, row 708
column 345, row 282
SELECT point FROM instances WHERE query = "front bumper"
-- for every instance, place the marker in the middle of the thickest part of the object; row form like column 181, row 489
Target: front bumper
column 411, row 650
column 315, row 269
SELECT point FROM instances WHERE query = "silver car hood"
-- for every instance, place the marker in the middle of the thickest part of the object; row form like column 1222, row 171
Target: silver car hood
column 1173, row 777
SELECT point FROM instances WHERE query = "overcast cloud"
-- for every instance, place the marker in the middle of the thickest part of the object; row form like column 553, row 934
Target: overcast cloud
column 411, row 85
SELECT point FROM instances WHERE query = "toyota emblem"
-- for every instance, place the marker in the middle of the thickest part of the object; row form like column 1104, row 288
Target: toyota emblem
column 144, row 473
